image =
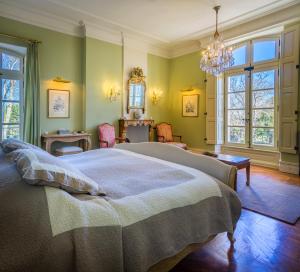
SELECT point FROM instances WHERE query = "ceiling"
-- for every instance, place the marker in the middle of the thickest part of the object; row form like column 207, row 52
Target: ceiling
column 167, row 21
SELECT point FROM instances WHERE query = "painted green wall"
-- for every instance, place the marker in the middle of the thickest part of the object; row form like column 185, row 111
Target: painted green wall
column 60, row 55
column 185, row 73
column 158, row 79
column 103, row 62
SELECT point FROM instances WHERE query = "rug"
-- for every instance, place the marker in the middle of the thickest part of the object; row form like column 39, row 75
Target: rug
column 269, row 197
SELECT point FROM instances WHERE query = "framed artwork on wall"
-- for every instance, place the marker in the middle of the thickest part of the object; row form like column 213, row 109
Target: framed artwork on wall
column 58, row 103
column 190, row 105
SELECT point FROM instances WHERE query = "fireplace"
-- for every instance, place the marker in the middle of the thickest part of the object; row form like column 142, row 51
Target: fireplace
column 136, row 130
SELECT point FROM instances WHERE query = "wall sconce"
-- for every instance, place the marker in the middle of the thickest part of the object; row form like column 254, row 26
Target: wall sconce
column 113, row 95
column 156, row 96
column 190, row 89
column 61, row 80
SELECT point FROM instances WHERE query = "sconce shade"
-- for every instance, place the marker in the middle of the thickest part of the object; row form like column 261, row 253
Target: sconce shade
column 61, row 80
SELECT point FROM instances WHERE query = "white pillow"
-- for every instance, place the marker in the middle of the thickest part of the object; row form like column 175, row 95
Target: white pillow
column 9, row 145
column 38, row 167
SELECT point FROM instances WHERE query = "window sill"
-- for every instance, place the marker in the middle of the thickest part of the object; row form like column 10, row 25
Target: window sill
column 262, row 157
column 251, row 149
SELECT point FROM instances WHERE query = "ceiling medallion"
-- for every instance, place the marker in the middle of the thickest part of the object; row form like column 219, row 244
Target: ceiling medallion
column 216, row 58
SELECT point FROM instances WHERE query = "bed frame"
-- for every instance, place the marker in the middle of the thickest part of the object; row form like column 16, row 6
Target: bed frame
column 217, row 169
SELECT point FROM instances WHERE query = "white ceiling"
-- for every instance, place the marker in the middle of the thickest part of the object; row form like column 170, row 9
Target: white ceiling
column 167, row 21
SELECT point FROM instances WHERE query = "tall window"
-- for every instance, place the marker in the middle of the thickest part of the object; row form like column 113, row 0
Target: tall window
column 11, row 94
column 251, row 87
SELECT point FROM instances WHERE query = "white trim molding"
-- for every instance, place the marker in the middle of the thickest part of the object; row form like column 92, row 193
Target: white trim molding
column 99, row 28
column 289, row 167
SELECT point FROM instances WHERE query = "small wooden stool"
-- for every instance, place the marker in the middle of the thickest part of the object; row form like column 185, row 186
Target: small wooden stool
column 68, row 150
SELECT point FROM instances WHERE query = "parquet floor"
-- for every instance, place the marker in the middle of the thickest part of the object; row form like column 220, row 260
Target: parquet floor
column 262, row 243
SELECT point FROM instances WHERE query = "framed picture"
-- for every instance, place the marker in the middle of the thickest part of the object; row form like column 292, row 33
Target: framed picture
column 190, row 104
column 58, row 103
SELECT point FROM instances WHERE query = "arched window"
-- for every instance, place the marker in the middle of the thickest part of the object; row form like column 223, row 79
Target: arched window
column 11, row 94
column 251, row 94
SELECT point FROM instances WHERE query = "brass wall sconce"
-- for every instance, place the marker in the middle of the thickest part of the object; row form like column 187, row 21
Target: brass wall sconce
column 61, row 80
column 113, row 95
column 156, row 96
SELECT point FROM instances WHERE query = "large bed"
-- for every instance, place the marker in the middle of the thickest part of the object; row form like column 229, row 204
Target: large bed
column 161, row 203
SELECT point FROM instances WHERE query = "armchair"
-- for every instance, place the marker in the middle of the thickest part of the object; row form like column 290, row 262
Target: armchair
column 165, row 135
column 107, row 138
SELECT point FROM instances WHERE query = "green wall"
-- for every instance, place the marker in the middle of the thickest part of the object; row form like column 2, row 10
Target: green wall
column 60, row 55
column 103, row 62
column 158, row 79
column 185, row 73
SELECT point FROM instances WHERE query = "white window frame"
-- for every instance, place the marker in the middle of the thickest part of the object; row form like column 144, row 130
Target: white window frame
column 13, row 75
column 258, row 66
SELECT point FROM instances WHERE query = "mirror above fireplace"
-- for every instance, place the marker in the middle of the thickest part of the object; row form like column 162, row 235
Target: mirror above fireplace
column 136, row 90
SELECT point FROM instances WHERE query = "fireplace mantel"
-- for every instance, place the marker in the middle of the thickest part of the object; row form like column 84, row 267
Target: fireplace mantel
column 125, row 123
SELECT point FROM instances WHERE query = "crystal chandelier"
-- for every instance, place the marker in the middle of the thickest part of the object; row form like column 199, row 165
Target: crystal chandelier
column 216, row 58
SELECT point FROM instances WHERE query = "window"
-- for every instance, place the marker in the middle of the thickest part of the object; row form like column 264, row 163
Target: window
column 251, row 96
column 11, row 95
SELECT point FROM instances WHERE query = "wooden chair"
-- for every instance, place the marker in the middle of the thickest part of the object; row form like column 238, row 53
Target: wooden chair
column 107, row 138
column 165, row 135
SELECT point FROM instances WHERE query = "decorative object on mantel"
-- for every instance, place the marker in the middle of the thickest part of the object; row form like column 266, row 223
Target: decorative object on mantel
column 61, row 80
column 136, row 90
column 190, row 105
column 125, row 123
column 113, row 94
column 137, row 114
column 156, row 95
column 216, row 58
column 58, row 103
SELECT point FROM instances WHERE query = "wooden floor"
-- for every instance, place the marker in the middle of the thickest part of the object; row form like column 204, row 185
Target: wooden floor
column 262, row 243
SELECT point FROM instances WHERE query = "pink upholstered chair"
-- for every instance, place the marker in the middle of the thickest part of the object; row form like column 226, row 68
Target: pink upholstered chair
column 107, row 137
column 165, row 135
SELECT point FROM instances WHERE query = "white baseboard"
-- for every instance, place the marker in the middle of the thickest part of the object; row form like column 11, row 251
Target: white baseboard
column 289, row 167
column 264, row 163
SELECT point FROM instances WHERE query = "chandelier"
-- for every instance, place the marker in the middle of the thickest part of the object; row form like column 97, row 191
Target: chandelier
column 216, row 58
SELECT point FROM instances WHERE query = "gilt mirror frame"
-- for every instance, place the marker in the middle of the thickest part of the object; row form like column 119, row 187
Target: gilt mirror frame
column 136, row 76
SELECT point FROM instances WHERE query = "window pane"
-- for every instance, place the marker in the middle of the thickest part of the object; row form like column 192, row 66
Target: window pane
column 263, row 99
column 263, row 80
column 236, row 101
column 263, row 136
column 10, row 112
column 263, row 118
column 264, row 50
column 236, row 135
column 10, row 131
column 10, row 62
column 236, row 83
column 236, row 117
column 10, row 89
column 239, row 55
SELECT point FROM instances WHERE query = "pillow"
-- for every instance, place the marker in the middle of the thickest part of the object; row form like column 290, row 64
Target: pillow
column 11, row 144
column 38, row 167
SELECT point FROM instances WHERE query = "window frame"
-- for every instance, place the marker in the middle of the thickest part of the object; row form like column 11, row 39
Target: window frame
column 248, row 55
column 13, row 75
column 228, row 74
column 258, row 66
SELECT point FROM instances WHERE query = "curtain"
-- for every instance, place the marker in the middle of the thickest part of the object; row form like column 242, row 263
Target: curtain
column 31, row 127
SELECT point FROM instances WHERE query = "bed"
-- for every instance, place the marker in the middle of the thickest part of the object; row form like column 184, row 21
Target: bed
column 161, row 203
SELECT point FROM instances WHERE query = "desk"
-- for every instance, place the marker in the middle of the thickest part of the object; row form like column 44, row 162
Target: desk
column 84, row 140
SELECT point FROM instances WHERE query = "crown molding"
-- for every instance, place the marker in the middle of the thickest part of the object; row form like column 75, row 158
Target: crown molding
column 40, row 19
column 266, row 25
column 112, row 33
